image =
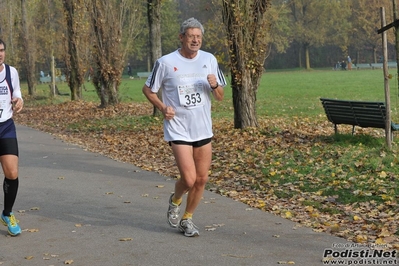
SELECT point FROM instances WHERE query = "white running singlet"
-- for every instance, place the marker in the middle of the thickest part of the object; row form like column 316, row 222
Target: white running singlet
column 185, row 88
column 5, row 93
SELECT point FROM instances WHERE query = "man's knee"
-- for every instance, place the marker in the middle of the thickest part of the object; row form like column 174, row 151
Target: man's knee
column 11, row 174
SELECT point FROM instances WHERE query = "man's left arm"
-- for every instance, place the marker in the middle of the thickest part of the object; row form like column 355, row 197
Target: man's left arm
column 17, row 101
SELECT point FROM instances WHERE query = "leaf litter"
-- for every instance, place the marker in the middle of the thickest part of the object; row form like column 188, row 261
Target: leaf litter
column 285, row 166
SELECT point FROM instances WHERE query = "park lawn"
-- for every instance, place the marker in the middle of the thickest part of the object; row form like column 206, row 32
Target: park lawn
column 289, row 93
column 292, row 164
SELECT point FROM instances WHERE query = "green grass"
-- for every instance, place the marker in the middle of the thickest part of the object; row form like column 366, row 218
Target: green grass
column 288, row 93
column 298, row 93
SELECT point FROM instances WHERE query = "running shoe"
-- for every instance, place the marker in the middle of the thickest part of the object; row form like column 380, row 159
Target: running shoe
column 173, row 213
column 188, row 228
column 11, row 223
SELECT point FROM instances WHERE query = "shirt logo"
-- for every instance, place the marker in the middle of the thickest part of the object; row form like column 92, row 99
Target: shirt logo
column 204, row 66
column 174, row 69
column 3, row 90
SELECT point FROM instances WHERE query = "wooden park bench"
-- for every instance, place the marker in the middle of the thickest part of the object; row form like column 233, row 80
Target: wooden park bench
column 143, row 74
column 45, row 79
column 356, row 113
column 377, row 65
column 363, row 66
column 380, row 65
column 392, row 65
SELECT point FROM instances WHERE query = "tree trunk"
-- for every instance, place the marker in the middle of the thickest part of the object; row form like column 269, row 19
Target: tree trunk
column 307, row 58
column 29, row 54
column 154, row 23
column 244, row 103
column 247, row 29
column 396, row 17
column 75, row 80
column 107, row 55
column 375, row 55
column 300, row 56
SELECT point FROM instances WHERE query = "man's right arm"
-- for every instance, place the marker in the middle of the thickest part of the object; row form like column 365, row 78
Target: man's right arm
column 168, row 111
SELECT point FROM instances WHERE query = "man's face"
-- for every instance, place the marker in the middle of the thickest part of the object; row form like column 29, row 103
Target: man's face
column 2, row 53
column 191, row 40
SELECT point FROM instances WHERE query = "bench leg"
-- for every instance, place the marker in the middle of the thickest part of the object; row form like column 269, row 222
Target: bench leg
column 335, row 128
column 353, row 130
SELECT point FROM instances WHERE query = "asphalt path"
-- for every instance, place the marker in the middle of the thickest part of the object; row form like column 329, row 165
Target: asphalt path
column 81, row 208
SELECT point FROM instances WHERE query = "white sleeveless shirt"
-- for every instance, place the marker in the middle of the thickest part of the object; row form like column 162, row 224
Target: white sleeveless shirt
column 5, row 93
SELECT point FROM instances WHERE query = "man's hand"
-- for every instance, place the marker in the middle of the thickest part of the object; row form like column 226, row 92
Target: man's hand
column 168, row 112
column 18, row 104
column 212, row 80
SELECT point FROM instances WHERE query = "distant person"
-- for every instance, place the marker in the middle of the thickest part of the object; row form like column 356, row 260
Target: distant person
column 337, row 66
column 11, row 101
column 349, row 63
column 188, row 78
column 343, row 65
column 41, row 73
column 129, row 70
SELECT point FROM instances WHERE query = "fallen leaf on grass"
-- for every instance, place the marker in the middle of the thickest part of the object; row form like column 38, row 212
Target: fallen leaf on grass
column 33, row 230
column 160, row 186
column 379, row 241
column 34, row 208
column 68, row 262
column 29, row 257
column 288, row 214
column 361, row 239
column 384, row 233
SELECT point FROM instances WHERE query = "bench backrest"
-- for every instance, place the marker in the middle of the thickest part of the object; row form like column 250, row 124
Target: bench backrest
column 357, row 113
column 143, row 74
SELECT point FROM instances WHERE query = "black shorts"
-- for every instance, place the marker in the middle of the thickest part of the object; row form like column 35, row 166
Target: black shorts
column 195, row 144
column 8, row 138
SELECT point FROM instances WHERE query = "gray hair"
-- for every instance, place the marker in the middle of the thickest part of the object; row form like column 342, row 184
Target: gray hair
column 191, row 23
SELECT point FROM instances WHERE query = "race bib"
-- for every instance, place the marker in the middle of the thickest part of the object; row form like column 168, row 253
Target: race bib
column 191, row 95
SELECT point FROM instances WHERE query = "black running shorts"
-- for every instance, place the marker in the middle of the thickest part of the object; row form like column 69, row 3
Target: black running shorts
column 195, row 144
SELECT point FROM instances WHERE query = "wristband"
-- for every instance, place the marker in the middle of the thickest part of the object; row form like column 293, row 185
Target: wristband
column 214, row 88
